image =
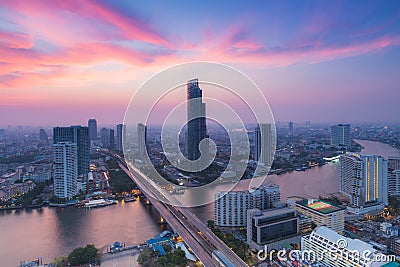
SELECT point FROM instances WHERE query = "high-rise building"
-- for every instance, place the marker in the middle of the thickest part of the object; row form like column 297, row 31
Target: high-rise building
column 364, row 178
column 325, row 247
column 80, row 136
column 107, row 138
column 321, row 213
column 393, row 163
column 92, row 124
column 272, row 228
column 142, row 141
column 2, row 132
column 291, row 127
column 196, row 119
column 121, row 129
column 394, row 183
column 43, row 135
column 340, row 135
column 231, row 207
column 65, row 169
column 263, row 143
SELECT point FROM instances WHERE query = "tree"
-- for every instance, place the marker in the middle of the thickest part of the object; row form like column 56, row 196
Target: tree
column 84, row 255
column 61, row 261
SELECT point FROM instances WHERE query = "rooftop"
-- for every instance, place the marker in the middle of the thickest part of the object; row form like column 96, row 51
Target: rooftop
column 320, row 206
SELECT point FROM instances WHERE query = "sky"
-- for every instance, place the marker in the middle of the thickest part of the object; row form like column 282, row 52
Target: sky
column 62, row 62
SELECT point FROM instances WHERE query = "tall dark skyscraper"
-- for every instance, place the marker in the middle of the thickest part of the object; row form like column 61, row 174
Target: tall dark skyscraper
column 196, row 119
column 80, row 136
column 121, row 128
column 92, row 124
column 142, row 140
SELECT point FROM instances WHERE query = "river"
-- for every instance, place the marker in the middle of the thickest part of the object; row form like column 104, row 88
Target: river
column 50, row 232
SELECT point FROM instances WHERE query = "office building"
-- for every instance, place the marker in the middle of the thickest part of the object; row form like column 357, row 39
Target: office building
column 196, row 120
column 80, row 136
column 264, row 144
column 107, row 138
column 394, row 183
column 92, row 125
column 291, row 127
column 364, row 178
column 142, row 141
column 393, row 163
column 272, row 228
column 121, row 130
column 321, row 213
column 43, row 135
column 325, row 247
column 65, row 169
column 231, row 207
column 340, row 135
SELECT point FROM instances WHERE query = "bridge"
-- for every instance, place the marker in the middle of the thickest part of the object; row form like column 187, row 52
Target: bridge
column 194, row 232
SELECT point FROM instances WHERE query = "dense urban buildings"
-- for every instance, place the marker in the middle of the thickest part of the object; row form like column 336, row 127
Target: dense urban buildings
column 80, row 136
column 231, row 207
column 327, row 248
column 364, row 178
column 274, row 228
column 263, row 144
column 196, row 119
column 92, row 125
column 340, row 135
column 121, row 129
column 321, row 213
column 65, row 169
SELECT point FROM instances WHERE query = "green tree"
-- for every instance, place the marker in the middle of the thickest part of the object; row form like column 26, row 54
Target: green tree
column 84, row 255
column 61, row 261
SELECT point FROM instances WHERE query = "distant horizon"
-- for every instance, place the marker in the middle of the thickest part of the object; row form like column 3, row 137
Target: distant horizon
column 281, row 124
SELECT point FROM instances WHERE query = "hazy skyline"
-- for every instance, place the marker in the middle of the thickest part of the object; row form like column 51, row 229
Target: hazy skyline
column 63, row 62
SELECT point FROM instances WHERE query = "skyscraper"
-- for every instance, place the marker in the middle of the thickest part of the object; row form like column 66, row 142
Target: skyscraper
column 107, row 138
column 196, row 119
column 263, row 143
column 80, row 136
column 92, row 124
column 121, row 129
column 364, row 178
column 43, row 135
column 340, row 135
column 65, row 169
column 290, row 127
column 142, row 140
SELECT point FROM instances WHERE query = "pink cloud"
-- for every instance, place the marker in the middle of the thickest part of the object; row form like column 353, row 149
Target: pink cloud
column 15, row 40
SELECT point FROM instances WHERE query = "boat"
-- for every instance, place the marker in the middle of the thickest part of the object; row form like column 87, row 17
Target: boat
column 97, row 203
column 129, row 198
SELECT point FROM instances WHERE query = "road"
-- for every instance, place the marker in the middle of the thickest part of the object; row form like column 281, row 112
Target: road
column 194, row 232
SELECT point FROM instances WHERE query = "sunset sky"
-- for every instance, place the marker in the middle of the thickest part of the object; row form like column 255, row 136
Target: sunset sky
column 62, row 62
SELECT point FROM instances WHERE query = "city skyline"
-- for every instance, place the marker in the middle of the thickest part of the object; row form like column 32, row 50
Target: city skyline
column 310, row 65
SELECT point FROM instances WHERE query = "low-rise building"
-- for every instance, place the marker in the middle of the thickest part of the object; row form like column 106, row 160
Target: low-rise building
column 321, row 213
column 327, row 248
